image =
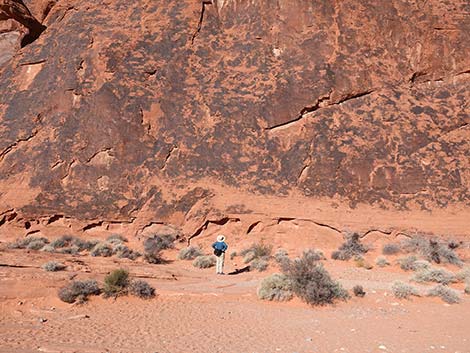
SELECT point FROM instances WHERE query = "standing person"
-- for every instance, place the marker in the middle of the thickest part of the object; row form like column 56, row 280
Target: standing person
column 220, row 246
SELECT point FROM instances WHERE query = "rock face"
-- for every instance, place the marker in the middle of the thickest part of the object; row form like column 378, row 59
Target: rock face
column 127, row 116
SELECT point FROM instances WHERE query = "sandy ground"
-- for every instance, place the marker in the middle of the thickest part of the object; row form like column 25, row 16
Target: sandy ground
column 197, row 311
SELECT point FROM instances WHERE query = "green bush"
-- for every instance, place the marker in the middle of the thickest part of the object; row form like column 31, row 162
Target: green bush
column 275, row 287
column 116, row 283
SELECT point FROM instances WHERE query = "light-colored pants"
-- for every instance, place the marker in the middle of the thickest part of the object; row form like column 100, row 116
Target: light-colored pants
column 219, row 266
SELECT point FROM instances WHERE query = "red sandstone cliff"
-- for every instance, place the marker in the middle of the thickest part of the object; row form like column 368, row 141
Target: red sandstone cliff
column 130, row 116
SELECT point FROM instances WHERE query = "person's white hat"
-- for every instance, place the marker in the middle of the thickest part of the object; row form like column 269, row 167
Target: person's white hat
column 220, row 238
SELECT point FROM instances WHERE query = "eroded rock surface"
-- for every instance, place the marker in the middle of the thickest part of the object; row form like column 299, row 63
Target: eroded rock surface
column 128, row 114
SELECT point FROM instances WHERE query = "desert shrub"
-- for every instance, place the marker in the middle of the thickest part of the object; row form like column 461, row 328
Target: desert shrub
column 463, row 274
column 123, row 252
column 62, row 242
column 467, row 286
column 53, row 266
column 391, row 249
column 362, row 263
column 189, row 253
column 447, row 294
column 340, row 255
column 154, row 258
column 256, row 251
column 141, row 289
column 204, row 261
column 48, row 248
column 233, row 254
column 158, row 243
column 25, row 243
column 259, row 264
column 421, row 265
column 315, row 255
column 154, row 245
column 275, row 287
column 116, row 238
column 403, row 290
column 407, row 263
column 381, row 261
column 438, row 275
column 432, row 250
column 116, row 283
column 312, row 283
column 36, row 245
column 248, row 257
column 83, row 245
column 73, row 250
column 76, row 289
column 358, row 291
column 280, row 255
column 350, row 248
column 102, row 249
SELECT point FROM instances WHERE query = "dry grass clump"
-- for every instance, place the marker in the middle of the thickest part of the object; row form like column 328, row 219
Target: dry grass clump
column 312, row 283
column 116, row 238
column 30, row 243
column 123, row 252
column 408, row 263
column 102, row 249
column 403, row 290
column 259, row 264
column 116, row 283
column 189, row 253
column 362, row 263
column 281, row 255
column 141, row 289
column 69, row 244
column 53, row 266
column 79, row 290
column 204, row 261
column 276, row 287
column 438, row 275
column 256, row 251
column 154, row 245
column 447, row 294
column 350, row 248
column 391, row 249
column 313, row 254
column 358, row 291
column 433, row 250
column 463, row 274
column 382, row 261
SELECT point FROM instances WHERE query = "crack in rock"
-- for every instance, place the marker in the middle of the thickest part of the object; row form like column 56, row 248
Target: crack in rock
column 201, row 19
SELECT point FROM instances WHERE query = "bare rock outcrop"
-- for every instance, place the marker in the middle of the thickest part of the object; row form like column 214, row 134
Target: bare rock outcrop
column 123, row 116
